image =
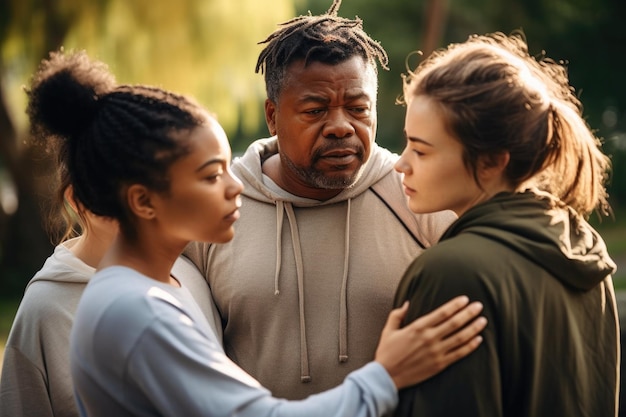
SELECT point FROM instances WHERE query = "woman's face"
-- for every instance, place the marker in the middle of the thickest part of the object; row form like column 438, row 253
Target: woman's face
column 434, row 175
column 204, row 196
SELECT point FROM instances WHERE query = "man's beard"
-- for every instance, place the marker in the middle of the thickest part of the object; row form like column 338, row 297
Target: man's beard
column 318, row 179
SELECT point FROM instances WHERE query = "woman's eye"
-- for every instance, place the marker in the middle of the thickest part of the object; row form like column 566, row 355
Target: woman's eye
column 212, row 177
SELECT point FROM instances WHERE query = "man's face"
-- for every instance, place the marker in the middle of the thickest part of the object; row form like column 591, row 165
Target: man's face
column 325, row 121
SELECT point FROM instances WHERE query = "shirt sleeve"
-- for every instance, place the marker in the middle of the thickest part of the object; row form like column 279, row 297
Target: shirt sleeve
column 185, row 373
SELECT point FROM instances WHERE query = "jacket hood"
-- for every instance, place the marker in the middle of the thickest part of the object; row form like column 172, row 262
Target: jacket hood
column 556, row 238
column 248, row 169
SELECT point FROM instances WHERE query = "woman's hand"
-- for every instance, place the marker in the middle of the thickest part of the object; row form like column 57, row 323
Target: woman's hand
column 431, row 343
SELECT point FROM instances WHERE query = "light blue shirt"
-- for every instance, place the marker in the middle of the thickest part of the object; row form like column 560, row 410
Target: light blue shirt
column 140, row 347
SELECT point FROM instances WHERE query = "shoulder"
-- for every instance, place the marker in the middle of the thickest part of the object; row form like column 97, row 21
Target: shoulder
column 119, row 305
column 459, row 266
column 51, row 297
column 427, row 228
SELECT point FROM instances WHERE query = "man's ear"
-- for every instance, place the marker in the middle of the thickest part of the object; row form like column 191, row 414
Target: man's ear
column 139, row 199
column 270, row 116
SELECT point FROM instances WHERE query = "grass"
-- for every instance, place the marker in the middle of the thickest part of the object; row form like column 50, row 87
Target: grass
column 614, row 234
column 8, row 308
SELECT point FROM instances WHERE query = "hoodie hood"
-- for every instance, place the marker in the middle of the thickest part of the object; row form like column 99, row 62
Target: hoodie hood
column 64, row 267
column 534, row 225
column 248, row 169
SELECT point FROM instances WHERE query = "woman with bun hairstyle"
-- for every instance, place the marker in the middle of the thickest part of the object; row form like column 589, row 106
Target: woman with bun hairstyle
column 497, row 136
column 159, row 164
column 36, row 378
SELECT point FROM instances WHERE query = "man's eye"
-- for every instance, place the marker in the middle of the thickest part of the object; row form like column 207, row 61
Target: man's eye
column 361, row 111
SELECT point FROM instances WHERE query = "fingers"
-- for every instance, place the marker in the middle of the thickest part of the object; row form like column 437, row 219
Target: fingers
column 459, row 320
column 461, row 343
column 468, row 335
column 443, row 313
column 455, row 344
column 430, row 343
column 394, row 320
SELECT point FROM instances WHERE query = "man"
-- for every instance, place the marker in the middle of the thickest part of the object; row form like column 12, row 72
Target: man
column 325, row 235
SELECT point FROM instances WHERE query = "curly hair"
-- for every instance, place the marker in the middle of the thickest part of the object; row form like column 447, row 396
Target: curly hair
column 106, row 135
column 326, row 38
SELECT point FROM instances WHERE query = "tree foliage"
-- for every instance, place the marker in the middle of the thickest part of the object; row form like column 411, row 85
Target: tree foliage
column 586, row 34
column 205, row 48
column 208, row 48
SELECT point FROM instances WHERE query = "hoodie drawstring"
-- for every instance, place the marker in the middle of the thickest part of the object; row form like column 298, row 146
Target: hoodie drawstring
column 343, row 298
column 281, row 208
column 279, row 243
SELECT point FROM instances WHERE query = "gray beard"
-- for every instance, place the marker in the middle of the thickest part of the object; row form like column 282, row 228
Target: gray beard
column 317, row 179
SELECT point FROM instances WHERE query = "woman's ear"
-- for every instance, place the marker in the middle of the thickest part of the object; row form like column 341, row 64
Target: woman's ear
column 68, row 194
column 490, row 166
column 139, row 199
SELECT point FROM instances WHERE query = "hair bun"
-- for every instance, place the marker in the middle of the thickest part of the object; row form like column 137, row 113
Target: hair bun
column 64, row 93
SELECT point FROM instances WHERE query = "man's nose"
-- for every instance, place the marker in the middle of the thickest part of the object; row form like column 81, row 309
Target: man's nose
column 338, row 124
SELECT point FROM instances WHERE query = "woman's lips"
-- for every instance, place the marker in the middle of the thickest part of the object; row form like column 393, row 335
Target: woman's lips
column 233, row 216
column 408, row 191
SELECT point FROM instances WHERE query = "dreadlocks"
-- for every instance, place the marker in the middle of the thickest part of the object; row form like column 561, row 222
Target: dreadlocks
column 327, row 38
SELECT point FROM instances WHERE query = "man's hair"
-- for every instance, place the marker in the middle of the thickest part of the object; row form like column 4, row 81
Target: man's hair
column 326, row 38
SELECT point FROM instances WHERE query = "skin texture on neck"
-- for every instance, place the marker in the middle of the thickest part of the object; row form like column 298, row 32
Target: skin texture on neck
column 90, row 249
column 147, row 258
column 96, row 238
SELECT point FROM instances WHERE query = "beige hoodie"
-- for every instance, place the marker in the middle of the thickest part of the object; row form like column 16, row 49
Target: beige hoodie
column 305, row 286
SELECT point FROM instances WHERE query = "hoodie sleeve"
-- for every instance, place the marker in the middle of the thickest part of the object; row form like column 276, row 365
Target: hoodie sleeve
column 188, row 274
column 23, row 390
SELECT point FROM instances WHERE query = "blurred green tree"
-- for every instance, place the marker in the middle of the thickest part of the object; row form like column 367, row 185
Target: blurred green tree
column 208, row 48
column 203, row 48
column 586, row 34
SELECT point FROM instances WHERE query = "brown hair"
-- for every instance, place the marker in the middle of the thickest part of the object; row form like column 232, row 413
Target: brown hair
column 495, row 97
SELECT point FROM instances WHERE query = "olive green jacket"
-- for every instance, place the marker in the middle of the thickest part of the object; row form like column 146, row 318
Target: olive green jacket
column 551, row 347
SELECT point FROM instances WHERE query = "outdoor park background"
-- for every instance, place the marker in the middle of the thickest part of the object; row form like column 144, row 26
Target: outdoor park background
column 208, row 48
